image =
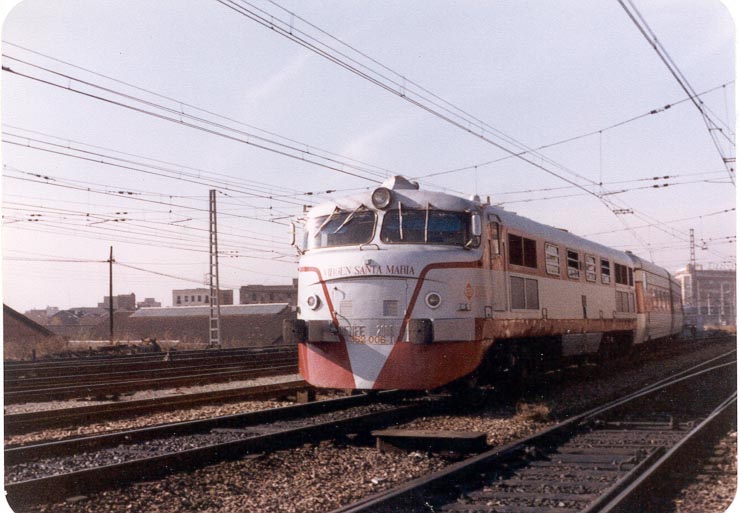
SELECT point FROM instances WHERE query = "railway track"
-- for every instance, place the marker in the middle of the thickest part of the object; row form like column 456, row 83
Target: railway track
column 19, row 423
column 175, row 354
column 52, row 471
column 614, row 458
column 44, row 382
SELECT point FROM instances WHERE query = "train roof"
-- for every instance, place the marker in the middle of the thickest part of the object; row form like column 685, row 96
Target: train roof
column 557, row 235
column 408, row 193
column 641, row 263
column 404, row 191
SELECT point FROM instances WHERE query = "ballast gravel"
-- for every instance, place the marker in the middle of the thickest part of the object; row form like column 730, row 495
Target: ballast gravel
column 322, row 477
column 311, row 478
column 10, row 409
column 160, row 446
column 714, row 489
column 139, row 421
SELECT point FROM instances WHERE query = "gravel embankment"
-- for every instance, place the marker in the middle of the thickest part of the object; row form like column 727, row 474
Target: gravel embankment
column 10, row 409
column 139, row 421
column 311, row 478
column 149, row 419
column 325, row 476
column 714, row 489
column 168, row 445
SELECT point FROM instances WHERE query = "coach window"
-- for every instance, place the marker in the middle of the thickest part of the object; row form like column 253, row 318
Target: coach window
column 552, row 259
column 605, row 272
column 625, row 302
column 524, row 294
column 631, row 277
column 620, row 274
column 590, row 268
column 573, row 270
column 522, row 251
column 494, row 232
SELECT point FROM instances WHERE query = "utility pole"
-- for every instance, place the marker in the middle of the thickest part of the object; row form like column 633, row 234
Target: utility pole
column 215, row 290
column 110, row 293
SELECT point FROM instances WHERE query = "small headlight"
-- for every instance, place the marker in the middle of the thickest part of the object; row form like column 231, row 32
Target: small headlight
column 313, row 302
column 382, row 197
column 433, row 300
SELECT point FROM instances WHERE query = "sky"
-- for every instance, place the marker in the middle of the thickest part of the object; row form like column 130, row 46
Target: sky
column 119, row 117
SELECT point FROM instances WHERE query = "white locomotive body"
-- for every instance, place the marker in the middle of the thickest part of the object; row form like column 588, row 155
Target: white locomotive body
column 412, row 289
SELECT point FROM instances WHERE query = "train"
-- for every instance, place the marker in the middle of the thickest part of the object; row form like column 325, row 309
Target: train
column 403, row 288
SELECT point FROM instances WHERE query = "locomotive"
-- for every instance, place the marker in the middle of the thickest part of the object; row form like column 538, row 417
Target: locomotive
column 401, row 288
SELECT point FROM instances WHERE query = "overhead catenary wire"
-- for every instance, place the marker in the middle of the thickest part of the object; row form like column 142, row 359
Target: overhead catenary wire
column 600, row 131
column 167, row 275
column 379, row 171
column 108, row 234
column 128, row 192
column 441, row 109
column 639, row 21
column 615, row 182
column 178, row 117
column 409, row 91
column 219, row 180
column 683, row 219
column 135, row 198
column 105, row 193
column 242, row 232
column 660, row 186
column 236, row 247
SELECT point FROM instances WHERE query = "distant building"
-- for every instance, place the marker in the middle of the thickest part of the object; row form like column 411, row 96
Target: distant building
column 241, row 325
column 254, row 294
column 77, row 323
column 149, row 302
column 41, row 315
column 708, row 296
column 23, row 338
column 198, row 297
column 120, row 302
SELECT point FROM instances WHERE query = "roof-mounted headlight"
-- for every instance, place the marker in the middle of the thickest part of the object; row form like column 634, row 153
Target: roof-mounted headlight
column 382, row 197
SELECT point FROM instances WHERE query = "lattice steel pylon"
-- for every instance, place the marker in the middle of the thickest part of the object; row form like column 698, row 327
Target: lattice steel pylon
column 214, row 318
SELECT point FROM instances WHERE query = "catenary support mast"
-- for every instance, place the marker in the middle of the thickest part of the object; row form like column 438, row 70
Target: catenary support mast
column 215, row 289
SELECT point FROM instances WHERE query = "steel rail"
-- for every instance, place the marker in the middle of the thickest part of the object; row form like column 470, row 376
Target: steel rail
column 19, row 423
column 413, row 492
column 57, row 487
column 53, row 367
column 656, row 480
column 138, row 372
column 91, row 442
column 119, row 387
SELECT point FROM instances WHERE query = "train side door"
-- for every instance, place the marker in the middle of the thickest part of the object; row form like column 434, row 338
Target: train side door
column 499, row 292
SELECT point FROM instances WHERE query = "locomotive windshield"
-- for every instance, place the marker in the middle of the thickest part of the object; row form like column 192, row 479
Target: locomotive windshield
column 340, row 228
column 426, row 227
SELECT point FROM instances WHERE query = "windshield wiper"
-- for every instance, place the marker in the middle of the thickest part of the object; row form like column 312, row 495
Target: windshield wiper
column 349, row 217
column 426, row 224
column 326, row 221
column 400, row 222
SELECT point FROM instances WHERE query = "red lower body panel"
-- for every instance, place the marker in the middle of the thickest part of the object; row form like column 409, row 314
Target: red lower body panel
column 403, row 366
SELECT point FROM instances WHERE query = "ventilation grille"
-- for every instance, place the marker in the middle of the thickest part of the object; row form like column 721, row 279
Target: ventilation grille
column 390, row 308
column 345, row 308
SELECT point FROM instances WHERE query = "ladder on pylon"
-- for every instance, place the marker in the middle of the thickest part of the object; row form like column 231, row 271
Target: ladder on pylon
column 214, row 318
